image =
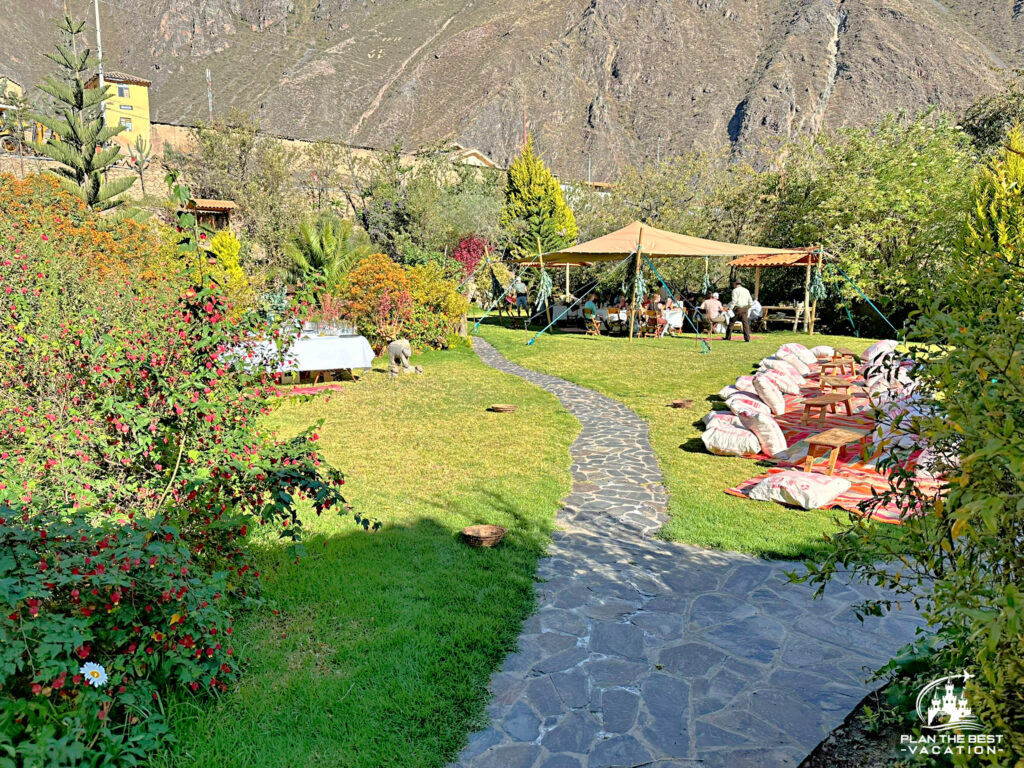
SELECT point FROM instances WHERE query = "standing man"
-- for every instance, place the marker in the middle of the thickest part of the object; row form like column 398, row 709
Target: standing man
column 522, row 298
column 740, row 305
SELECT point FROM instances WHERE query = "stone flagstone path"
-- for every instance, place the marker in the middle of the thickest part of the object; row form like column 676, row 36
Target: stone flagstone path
column 649, row 653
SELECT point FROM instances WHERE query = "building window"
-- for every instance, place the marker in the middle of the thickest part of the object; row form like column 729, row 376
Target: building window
column 126, row 106
column 126, row 124
column 122, row 91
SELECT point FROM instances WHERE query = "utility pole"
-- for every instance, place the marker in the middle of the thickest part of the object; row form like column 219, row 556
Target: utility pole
column 99, row 55
column 209, row 93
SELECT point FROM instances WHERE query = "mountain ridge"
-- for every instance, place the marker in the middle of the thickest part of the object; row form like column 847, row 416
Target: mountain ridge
column 603, row 83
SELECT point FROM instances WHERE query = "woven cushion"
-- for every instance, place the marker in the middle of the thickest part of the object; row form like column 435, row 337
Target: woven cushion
column 799, row 489
column 770, row 393
column 728, row 440
column 769, row 433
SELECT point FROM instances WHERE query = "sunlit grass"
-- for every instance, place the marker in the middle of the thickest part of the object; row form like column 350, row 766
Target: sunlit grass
column 383, row 645
column 646, row 375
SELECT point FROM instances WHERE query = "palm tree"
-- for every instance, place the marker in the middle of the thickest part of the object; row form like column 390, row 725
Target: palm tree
column 324, row 249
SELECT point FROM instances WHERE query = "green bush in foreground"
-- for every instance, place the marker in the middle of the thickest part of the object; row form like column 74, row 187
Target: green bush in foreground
column 133, row 469
column 958, row 557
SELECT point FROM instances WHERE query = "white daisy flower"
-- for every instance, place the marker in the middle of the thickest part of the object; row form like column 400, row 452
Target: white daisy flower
column 94, row 674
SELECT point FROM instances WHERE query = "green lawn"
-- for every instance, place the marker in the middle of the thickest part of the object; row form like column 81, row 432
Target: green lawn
column 382, row 648
column 646, row 375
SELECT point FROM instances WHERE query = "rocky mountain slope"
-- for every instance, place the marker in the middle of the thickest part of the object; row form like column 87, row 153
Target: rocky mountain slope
column 601, row 82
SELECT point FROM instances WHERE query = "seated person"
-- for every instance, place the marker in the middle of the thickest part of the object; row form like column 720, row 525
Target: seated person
column 713, row 310
column 590, row 308
column 755, row 312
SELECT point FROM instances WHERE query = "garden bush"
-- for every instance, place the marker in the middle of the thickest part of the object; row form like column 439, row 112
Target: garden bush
column 388, row 301
column 123, row 594
column 469, row 252
column 133, row 469
column 379, row 301
column 957, row 557
column 36, row 207
column 437, row 306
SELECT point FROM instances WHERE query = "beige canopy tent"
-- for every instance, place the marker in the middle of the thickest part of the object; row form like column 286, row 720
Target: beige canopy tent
column 805, row 258
column 653, row 243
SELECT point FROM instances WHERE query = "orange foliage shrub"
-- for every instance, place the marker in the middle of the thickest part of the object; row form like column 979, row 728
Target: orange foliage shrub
column 379, row 299
column 37, row 207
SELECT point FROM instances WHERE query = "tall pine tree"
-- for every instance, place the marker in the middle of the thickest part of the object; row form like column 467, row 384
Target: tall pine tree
column 81, row 142
column 535, row 210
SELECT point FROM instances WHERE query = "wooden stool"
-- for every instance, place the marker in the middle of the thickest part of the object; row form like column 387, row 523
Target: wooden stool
column 831, row 442
column 835, row 382
column 847, row 358
column 825, row 402
column 831, row 366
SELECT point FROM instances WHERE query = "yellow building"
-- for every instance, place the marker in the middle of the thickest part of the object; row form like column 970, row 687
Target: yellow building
column 12, row 88
column 128, row 105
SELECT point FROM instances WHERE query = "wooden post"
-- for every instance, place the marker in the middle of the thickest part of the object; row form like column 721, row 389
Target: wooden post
column 567, row 284
column 757, row 283
column 807, row 297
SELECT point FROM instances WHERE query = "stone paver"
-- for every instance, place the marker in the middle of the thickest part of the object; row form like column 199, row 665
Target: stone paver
column 645, row 652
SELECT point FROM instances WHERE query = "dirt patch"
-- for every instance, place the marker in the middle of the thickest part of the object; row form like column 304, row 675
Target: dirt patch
column 858, row 743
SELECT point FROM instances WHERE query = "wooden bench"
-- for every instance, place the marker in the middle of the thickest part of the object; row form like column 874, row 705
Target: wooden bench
column 823, row 403
column 832, row 442
column 781, row 314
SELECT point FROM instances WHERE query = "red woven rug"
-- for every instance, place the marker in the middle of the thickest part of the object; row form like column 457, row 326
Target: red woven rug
column 866, row 480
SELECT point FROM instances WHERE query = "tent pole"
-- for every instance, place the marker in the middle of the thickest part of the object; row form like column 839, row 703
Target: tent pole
column 547, row 304
column 757, row 283
column 807, row 297
column 567, row 296
column 632, row 303
column 814, row 306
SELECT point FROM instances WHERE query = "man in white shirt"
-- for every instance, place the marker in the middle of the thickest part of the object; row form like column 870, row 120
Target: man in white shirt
column 740, row 305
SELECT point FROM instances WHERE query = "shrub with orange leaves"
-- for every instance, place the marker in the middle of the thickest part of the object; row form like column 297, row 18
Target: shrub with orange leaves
column 379, row 299
column 37, row 208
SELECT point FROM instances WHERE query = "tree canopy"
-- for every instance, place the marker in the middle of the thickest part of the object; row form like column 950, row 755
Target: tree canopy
column 535, row 209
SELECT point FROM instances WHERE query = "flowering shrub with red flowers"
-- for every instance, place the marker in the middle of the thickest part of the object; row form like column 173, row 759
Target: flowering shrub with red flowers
column 469, row 252
column 133, row 467
column 124, row 594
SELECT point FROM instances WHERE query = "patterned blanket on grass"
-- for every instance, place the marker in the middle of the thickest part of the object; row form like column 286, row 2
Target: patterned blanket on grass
column 866, row 480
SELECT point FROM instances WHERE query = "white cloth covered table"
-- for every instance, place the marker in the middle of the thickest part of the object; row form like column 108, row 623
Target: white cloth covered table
column 329, row 353
column 319, row 353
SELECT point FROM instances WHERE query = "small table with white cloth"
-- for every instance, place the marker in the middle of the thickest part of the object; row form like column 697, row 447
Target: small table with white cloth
column 314, row 353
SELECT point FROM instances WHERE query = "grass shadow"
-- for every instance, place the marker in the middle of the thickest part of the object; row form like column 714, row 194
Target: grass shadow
column 377, row 648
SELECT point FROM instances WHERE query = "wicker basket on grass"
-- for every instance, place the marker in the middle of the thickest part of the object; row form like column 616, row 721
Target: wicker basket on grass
column 483, row 535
